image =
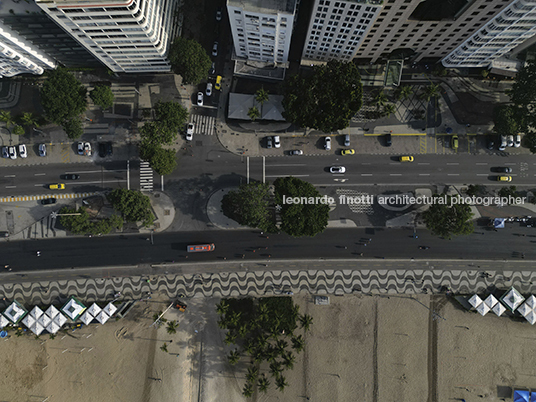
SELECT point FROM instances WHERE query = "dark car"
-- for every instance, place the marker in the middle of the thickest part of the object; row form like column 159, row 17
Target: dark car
column 388, row 140
column 109, row 149
column 70, row 176
column 102, row 149
column 490, row 143
column 502, row 169
column 47, row 201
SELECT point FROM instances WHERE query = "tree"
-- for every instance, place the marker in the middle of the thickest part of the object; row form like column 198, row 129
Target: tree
column 62, row 96
column 132, row 204
column 298, row 343
column 171, row 116
column 161, row 160
column 172, row 327
column 306, row 320
column 253, row 113
column 430, row 91
column 163, row 348
column 222, row 308
column 29, row 119
column 281, row 383
column 447, row 217
column 253, row 373
column 5, row 116
column 17, row 130
column 249, row 206
column 301, row 219
column 264, row 383
column 530, row 141
column 247, row 391
column 73, row 128
column 190, row 60
column 523, row 92
column 288, row 360
column 327, row 99
column 261, row 96
column 404, row 92
column 81, row 223
column 102, row 96
column 475, row 190
column 380, row 99
column 389, row 109
column 234, row 356
column 510, row 191
column 506, row 121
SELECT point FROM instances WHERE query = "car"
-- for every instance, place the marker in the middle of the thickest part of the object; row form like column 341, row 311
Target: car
column 327, row 144
column 406, row 159
column 190, row 132
column 346, row 140
column 200, row 99
column 215, row 49
column 337, row 169
column 217, row 86
column 102, row 150
column 510, row 140
column 70, row 176
column 209, row 89
column 218, row 14
column 277, row 141
column 490, row 143
column 503, row 145
column 5, row 152
column 48, row 201
column 57, row 186
column 212, row 70
column 517, row 141
column 22, row 151
column 87, row 149
column 109, row 149
column 269, row 142
column 454, row 142
column 12, row 152
column 347, row 152
column 388, row 140
column 42, row 150
column 80, row 148
column 296, row 152
column 503, row 170
column 504, row 178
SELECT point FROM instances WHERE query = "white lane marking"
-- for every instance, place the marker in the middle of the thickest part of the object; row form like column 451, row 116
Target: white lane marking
column 10, row 187
column 366, row 174
column 10, row 175
column 424, row 174
column 290, row 164
column 293, row 175
column 453, row 174
column 39, row 174
column 85, row 182
column 395, row 174
column 366, row 163
column 423, row 163
column 482, row 174
column 453, row 163
column 482, row 163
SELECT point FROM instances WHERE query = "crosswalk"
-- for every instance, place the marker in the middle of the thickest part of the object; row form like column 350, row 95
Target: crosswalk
column 146, row 176
column 204, row 125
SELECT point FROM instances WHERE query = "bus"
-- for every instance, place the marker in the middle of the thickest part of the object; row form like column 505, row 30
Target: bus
column 199, row 248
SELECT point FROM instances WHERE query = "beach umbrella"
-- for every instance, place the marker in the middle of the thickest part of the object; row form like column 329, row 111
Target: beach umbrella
column 94, row 310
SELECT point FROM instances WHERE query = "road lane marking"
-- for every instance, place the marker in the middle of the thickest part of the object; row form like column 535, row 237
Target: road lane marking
column 424, row 174
column 482, row 174
column 10, row 187
column 39, row 174
column 395, row 174
column 423, row 163
column 453, row 163
column 10, row 175
column 366, row 174
column 482, row 163
column 287, row 175
column 453, row 174
column 290, row 164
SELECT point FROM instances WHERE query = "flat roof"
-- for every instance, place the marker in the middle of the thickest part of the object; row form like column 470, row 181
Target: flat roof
column 264, row 6
column 88, row 3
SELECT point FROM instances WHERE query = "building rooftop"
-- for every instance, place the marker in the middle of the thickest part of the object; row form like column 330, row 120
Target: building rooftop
column 264, row 6
column 88, row 3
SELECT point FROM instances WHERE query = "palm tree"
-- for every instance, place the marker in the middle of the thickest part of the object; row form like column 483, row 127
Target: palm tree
column 305, row 321
column 52, row 336
column 233, row 357
column 379, row 99
column 163, row 348
column 298, row 343
column 430, row 91
column 18, row 333
column 258, row 355
column 288, row 360
column 17, row 130
column 281, row 383
column 161, row 319
column 389, row 109
column 405, row 92
column 261, row 96
column 248, row 390
column 222, row 324
column 172, row 327
column 264, row 383
column 254, row 113
column 281, row 345
column 275, row 368
column 229, row 338
column 253, row 373
column 29, row 119
column 222, row 307
column 7, row 118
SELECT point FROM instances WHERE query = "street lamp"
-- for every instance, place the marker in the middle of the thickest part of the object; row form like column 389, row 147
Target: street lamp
column 39, row 131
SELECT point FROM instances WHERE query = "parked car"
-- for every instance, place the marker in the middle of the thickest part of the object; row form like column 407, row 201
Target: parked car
column 504, row 178
column 490, row 143
column 346, row 140
column 277, row 141
column 269, row 142
column 296, row 152
column 388, row 140
column 5, row 152
column 42, row 150
column 504, row 143
column 212, row 70
column 57, row 186
column 502, row 169
column 510, row 140
column 12, row 152
column 327, row 144
column 190, row 132
column 517, row 141
column 48, row 201
column 200, row 99
column 84, row 148
column 337, row 169
column 218, row 14
column 454, row 142
column 347, row 152
column 215, row 49
column 217, row 86
column 22, row 151
column 406, row 159
column 209, row 89
column 70, row 176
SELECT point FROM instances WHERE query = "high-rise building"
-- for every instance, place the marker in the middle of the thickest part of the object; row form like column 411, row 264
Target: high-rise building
column 130, row 36
column 337, row 28
column 262, row 29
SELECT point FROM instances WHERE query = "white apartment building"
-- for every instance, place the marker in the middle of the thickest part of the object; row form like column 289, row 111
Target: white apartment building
column 337, row 28
column 504, row 32
column 18, row 56
column 262, row 29
column 130, row 36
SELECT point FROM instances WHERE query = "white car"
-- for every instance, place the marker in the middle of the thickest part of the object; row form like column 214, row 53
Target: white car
column 190, row 132
column 215, row 49
column 200, row 99
column 503, row 144
column 510, row 140
column 22, row 151
column 517, row 141
column 296, row 152
column 277, row 141
column 218, row 15
column 42, row 150
column 209, row 89
column 87, row 149
column 12, row 152
column 80, row 148
column 337, row 169
column 327, row 145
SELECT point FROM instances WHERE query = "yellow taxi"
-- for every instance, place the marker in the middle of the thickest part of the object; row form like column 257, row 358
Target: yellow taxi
column 406, row 159
column 57, row 186
column 347, row 152
column 217, row 86
column 504, row 178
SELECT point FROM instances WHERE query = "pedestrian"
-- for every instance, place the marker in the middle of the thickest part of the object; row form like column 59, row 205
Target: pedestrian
column 345, row 247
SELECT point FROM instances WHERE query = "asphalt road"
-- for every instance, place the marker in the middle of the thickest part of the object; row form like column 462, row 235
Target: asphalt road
column 138, row 250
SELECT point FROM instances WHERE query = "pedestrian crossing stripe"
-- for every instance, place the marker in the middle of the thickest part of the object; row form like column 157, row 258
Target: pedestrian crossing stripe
column 204, row 125
column 42, row 197
column 146, row 176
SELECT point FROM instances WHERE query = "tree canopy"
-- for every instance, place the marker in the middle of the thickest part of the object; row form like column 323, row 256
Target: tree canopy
column 171, row 116
column 161, row 160
column 249, row 206
column 62, row 96
column 327, row 99
column 300, row 219
column 133, row 205
column 73, row 128
column 189, row 60
column 506, row 121
column 81, row 224
column 102, row 96
column 448, row 218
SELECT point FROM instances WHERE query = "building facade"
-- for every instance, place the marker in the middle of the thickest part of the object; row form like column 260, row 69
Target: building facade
column 262, row 29
column 131, row 36
column 337, row 28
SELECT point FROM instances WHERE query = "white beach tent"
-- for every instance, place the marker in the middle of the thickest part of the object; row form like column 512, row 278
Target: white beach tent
column 86, row 318
column 53, row 327
column 512, row 299
column 483, row 309
column 3, row 321
column 524, row 309
column 52, row 312
column 475, row 301
column 44, row 320
column 499, row 309
column 491, row 301
column 102, row 317
column 36, row 312
column 110, row 309
column 37, row 328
